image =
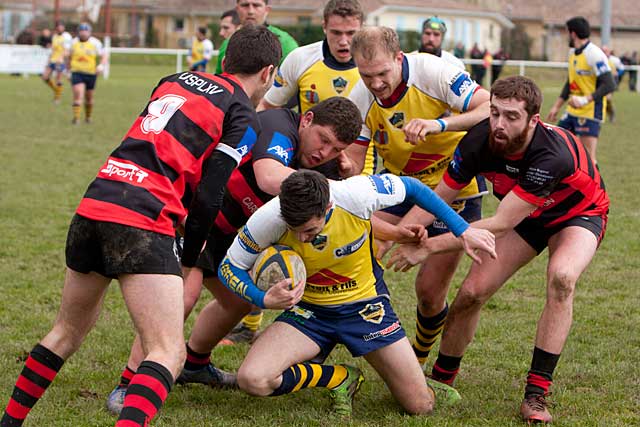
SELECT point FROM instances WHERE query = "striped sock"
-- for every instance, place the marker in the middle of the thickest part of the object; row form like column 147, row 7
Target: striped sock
column 39, row 370
column 540, row 375
column 51, row 84
column 195, row 360
column 253, row 320
column 427, row 331
column 126, row 377
column 58, row 91
column 146, row 393
column 88, row 109
column 446, row 368
column 308, row 375
column 76, row 112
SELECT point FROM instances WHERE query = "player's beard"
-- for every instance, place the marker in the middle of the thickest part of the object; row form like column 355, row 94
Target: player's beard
column 512, row 146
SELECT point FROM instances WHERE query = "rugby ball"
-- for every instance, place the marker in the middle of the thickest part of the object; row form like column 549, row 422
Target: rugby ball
column 275, row 264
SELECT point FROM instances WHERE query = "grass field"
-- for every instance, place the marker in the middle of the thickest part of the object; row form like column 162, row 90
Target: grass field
column 47, row 164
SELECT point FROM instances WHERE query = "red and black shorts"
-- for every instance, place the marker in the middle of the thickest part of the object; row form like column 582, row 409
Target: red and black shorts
column 113, row 249
column 533, row 231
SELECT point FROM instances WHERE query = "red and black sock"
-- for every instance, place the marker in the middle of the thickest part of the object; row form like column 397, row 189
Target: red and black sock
column 446, row 368
column 196, row 361
column 126, row 377
column 146, row 393
column 39, row 370
column 540, row 375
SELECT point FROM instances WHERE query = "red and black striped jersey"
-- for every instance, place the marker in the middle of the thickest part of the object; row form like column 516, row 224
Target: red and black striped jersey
column 189, row 115
column 554, row 173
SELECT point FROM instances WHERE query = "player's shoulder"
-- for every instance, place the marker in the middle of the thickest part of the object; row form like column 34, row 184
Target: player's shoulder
column 362, row 97
column 282, row 34
column 95, row 41
column 281, row 120
column 66, row 35
column 303, row 57
column 363, row 194
column 452, row 59
column 433, row 74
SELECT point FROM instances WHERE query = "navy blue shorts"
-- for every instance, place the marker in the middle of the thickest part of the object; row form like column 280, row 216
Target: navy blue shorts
column 57, row 66
column 533, row 231
column 362, row 327
column 470, row 210
column 89, row 80
column 579, row 125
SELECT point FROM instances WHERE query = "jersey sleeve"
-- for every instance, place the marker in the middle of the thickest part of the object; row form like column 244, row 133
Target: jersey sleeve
column 541, row 177
column 239, row 131
column 277, row 138
column 364, row 194
column 285, row 85
column 443, row 81
column 67, row 41
column 465, row 164
column 98, row 44
column 363, row 99
column 207, row 49
column 597, row 60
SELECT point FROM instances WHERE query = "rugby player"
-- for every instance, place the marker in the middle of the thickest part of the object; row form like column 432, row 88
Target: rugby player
column 201, row 51
column 287, row 141
column 406, row 103
column 60, row 45
column 433, row 32
column 551, row 194
column 255, row 12
column 312, row 74
column 590, row 80
column 188, row 139
column 229, row 23
column 344, row 299
column 86, row 60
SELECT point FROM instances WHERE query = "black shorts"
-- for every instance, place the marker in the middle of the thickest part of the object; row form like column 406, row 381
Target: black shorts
column 112, row 249
column 89, row 80
column 533, row 231
column 218, row 243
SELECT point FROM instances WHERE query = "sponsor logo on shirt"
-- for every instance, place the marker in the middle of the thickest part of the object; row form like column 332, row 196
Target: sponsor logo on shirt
column 382, row 184
column 512, row 169
column 279, row 81
column 247, row 241
column 124, row 171
column 200, row 84
column 281, row 152
column 350, row 248
column 461, row 83
column 602, row 67
column 319, row 242
column 397, row 120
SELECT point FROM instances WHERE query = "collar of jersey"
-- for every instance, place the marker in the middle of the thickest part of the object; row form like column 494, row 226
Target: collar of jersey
column 579, row 51
column 438, row 52
column 331, row 62
column 402, row 88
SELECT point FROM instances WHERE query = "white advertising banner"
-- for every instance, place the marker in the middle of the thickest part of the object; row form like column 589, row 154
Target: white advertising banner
column 23, row 59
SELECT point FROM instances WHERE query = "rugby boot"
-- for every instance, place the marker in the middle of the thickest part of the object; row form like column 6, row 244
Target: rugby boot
column 445, row 394
column 115, row 401
column 534, row 410
column 239, row 334
column 209, row 375
column 343, row 394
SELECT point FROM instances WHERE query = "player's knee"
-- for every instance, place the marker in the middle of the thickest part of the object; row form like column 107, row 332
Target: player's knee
column 419, row 405
column 561, row 285
column 253, row 382
column 469, row 298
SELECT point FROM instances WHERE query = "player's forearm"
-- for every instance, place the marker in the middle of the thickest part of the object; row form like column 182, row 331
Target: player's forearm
column 468, row 119
column 605, row 85
column 239, row 282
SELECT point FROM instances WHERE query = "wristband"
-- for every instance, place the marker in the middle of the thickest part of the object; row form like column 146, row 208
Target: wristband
column 443, row 125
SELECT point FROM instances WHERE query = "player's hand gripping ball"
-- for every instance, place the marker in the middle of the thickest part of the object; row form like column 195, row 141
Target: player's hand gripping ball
column 275, row 264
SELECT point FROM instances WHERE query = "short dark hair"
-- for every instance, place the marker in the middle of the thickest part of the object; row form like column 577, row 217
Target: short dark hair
column 303, row 195
column 202, row 30
column 343, row 8
column 265, row 1
column 250, row 49
column 520, row 88
column 340, row 114
column 235, row 19
column 580, row 26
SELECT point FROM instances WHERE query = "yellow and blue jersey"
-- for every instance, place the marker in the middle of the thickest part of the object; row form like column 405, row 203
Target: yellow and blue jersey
column 60, row 44
column 433, row 88
column 340, row 261
column 84, row 55
column 585, row 66
column 312, row 74
column 201, row 50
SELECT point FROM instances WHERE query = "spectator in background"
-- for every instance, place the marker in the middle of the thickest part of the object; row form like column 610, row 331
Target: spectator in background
column 433, row 32
column 45, row 38
column 633, row 73
column 458, row 51
column 201, row 51
column 498, row 61
column 229, row 23
column 477, row 70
